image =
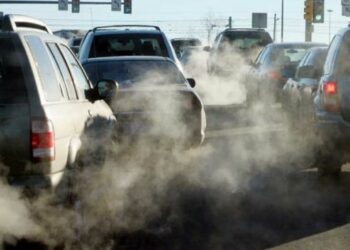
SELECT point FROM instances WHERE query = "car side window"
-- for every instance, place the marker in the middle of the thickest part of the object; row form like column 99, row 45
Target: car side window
column 344, row 56
column 80, row 79
column 61, row 64
column 44, row 65
column 331, row 56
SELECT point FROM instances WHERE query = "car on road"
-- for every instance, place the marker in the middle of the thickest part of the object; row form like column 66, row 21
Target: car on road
column 332, row 105
column 154, row 98
column 49, row 111
column 126, row 40
column 74, row 44
column 179, row 44
column 232, row 47
column 274, row 65
column 193, row 61
column 300, row 90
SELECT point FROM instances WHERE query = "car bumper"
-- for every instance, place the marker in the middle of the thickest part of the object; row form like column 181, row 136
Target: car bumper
column 333, row 130
column 36, row 181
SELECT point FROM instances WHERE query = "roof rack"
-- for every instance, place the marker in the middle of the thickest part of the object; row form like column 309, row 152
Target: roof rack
column 128, row 25
column 20, row 22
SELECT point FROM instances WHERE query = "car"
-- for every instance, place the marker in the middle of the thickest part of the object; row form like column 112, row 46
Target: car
column 49, row 111
column 154, row 98
column 192, row 59
column 234, row 45
column 126, row 40
column 74, row 44
column 276, row 63
column 299, row 91
column 179, row 44
column 332, row 106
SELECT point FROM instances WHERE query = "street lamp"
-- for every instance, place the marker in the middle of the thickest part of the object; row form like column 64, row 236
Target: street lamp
column 329, row 22
column 282, row 20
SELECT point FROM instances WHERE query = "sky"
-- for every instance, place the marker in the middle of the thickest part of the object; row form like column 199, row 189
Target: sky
column 189, row 18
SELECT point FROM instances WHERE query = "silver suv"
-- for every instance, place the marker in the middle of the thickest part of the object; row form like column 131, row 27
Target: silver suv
column 48, row 107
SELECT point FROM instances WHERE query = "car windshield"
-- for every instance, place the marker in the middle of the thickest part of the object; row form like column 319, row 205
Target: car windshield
column 128, row 44
column 129, row 73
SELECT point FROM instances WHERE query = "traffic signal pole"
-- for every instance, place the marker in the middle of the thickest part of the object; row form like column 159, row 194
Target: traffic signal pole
column 308, row 31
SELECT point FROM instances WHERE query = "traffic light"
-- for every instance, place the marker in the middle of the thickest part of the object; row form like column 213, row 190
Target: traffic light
column 116, row 5
column 62, row 4
column 308, row 10
column 318, row 11
column 127, row 7
column 75, row 6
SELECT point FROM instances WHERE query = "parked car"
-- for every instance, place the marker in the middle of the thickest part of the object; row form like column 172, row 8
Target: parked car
column 274, row 65
column 332, row 105
column 154, row 98
column 234, row 46
column 299, row 91
column 49, row 112
column 126, row 40
column 179, row 44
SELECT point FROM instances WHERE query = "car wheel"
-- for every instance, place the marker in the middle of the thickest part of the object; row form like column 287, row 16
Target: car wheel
column 329, row 167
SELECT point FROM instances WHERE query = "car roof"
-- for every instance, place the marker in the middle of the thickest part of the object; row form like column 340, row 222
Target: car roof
column 185, row 39
column 296, row 44
column 244, row 30
column 128, row 58
column 129, row 29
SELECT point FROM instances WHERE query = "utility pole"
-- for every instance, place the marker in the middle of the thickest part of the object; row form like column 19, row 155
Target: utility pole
column 330, row 25
column 230, row 22
column 275, row 19
column 282, row 21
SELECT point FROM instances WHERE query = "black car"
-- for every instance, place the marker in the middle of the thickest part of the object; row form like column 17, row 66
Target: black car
column 154, row 98
column 274, row 65
column 299, row 91
column 332, row 105
column 232, row 45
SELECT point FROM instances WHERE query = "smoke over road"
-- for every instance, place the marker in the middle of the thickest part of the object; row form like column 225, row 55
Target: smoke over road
column 151, row 196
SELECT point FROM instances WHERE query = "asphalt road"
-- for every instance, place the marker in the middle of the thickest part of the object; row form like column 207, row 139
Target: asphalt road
column 249, row 188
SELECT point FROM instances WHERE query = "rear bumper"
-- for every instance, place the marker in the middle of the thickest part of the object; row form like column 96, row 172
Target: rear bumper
column 334, row 131
column 37, row 181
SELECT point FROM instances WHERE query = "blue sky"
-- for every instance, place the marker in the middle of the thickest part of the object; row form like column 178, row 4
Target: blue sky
column 188, row 17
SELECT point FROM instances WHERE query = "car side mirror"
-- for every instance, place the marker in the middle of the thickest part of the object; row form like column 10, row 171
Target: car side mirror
column 207, row 48
column 192, row 82
column 306, row 71
column 107, row 89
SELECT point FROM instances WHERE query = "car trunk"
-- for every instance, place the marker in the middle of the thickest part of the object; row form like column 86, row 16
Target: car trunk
column 168, row 111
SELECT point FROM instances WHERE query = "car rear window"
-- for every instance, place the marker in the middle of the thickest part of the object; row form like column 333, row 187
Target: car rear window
column 129, row 73
column 246, row 40
column 287, row 55
column 12, row 87
column 128, row 44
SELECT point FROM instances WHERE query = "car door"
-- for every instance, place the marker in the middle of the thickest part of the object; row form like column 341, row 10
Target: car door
column 95, row 122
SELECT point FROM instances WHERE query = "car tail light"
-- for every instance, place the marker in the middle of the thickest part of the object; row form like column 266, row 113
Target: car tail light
column 331, row 103
column 42, row 140
column 273, row 75
column 330, row 88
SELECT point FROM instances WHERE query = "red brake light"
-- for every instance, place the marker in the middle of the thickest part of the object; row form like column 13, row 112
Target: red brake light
column 274, row 75
column 42, row 140
column 330, row 88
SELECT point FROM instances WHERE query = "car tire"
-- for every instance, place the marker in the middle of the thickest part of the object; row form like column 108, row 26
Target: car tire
column 329, row 167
